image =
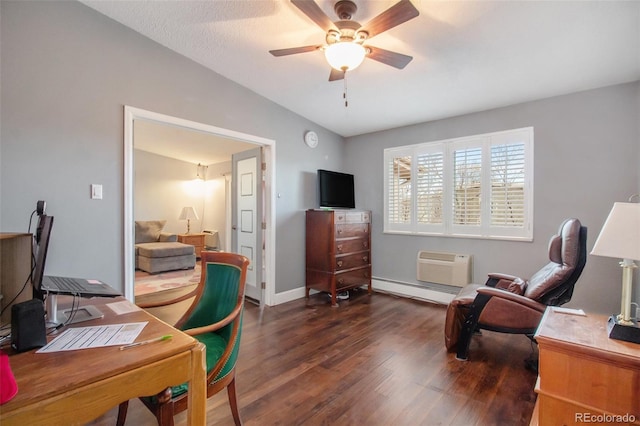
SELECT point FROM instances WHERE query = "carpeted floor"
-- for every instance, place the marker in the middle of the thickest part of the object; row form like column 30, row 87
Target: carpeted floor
column 146, row 283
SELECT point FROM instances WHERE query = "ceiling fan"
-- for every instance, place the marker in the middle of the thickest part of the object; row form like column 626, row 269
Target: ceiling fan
column 345, row 49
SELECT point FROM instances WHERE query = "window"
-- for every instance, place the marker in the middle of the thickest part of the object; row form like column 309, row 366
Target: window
column 478, row 186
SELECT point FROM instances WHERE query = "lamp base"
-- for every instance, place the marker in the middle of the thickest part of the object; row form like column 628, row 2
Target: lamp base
column 626, row 332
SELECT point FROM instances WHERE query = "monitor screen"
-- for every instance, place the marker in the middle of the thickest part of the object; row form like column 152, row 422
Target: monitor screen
column 336, row 189
column 43, row 232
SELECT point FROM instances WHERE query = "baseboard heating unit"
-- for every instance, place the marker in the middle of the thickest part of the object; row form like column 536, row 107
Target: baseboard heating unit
column 424, row 292
column 444, row 268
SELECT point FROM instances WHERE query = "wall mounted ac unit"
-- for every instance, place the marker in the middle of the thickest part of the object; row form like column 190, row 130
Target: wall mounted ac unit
column 444, row 268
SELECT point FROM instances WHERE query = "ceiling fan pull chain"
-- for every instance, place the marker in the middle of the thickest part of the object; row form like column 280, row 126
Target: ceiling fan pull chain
column 344, row 93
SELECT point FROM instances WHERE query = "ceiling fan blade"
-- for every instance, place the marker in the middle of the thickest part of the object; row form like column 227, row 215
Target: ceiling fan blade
column 397, row 14
column 294, row 50
column 313, row 11
column 396, row 60
column 336, row 75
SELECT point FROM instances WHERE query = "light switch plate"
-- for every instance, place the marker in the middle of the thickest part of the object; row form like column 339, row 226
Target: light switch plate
column 96, row 191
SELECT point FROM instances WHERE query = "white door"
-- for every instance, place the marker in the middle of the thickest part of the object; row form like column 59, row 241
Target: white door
column 246, row 225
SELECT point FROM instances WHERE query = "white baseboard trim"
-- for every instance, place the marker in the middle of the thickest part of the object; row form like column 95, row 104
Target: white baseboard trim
column 288, row 296
column 398, row 289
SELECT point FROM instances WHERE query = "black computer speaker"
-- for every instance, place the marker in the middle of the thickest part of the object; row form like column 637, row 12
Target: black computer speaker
column 28, row 325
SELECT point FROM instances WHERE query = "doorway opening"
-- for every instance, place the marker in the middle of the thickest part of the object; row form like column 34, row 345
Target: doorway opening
column 135, row 119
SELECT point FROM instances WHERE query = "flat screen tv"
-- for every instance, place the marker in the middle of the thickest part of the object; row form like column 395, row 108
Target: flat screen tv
column 336, row 189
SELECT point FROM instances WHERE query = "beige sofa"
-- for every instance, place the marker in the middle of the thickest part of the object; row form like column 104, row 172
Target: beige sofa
column 158, row 251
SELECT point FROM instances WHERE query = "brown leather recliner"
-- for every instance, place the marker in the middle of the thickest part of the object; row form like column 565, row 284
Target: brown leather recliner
column 510, row 304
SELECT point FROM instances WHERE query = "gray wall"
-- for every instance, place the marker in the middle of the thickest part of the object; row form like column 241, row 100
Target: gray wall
column 67, row 72
column 162, row 187
column 587, row 147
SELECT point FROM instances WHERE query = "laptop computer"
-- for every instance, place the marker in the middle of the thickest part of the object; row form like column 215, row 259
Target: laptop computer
column 62, row 285
column 77, row 286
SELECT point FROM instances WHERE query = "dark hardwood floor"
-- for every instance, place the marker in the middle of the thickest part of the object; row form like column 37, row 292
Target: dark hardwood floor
column 375, row 360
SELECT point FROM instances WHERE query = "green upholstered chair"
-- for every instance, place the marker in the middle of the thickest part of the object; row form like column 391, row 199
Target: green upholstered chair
column 215, row 319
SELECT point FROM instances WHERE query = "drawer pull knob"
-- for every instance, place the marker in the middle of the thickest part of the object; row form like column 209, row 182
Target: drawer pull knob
column 340, row 247
column 339, row 262
column 339, row 231
column 365, row 244
column 341, row 281
column 365, row 258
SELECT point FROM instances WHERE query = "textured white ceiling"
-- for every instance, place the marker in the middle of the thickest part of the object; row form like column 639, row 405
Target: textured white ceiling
column 468, row 55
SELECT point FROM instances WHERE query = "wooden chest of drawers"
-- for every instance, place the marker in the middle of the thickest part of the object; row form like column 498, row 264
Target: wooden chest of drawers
column 338, row 250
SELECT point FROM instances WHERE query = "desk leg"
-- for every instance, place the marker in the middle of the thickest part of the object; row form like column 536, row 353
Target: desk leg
column 197, row 396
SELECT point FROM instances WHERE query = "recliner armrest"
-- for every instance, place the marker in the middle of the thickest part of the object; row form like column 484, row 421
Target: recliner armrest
column 499, row 276
column 503, row 294
column 505, row 281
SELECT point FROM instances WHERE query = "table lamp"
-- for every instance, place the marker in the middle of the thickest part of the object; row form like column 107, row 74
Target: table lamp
column 620, row 238
column 187, row 214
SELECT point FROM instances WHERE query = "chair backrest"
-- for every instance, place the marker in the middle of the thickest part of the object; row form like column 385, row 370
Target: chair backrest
column 221, row 290
column 554, row 283
column 148, row 231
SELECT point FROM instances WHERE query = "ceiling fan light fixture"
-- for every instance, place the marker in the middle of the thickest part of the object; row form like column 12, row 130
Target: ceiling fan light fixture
column 345, row 55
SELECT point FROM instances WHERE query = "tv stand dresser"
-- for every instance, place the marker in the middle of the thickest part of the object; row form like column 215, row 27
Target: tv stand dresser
column 338, row 251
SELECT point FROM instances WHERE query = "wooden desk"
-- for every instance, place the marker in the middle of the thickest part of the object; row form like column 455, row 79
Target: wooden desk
column 582, row 372
column 78, row 386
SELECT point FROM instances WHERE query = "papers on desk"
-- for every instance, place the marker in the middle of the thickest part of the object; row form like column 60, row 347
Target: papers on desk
column 94, row 337
column 568, row 311
column 123, row 307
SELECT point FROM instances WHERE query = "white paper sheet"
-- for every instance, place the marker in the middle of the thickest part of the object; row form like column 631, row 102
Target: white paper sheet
column 568, row 311
column 94, row 337
column 123, row 307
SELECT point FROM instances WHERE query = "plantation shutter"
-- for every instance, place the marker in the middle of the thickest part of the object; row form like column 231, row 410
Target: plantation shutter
column 399, row 195
column 429, row 188
column 508, row 185
column 467, row 168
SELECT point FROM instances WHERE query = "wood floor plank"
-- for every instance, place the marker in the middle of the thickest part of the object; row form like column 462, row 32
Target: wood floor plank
column 375, row 360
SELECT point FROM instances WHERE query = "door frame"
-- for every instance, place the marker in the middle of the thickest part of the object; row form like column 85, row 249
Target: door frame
column 269, row 157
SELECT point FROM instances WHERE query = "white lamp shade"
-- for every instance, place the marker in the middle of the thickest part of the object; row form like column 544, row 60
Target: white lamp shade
column 188, row 213
column 344, row 56
column 620, row 235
